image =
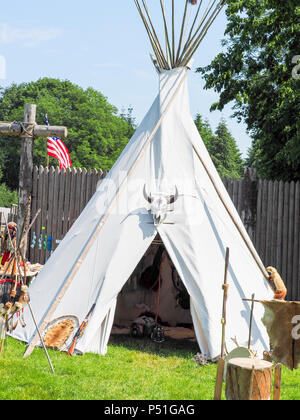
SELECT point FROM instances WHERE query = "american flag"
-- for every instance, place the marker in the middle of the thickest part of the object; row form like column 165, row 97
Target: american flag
column 57, row 149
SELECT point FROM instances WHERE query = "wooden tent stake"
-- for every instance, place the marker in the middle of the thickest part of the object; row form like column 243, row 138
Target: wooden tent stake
column 251, row 383
column 277, row 382
column 68, row 280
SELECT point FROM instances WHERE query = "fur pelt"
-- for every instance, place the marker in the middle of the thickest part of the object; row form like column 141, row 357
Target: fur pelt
column 56, row 336
column 279, row 319
column 279, row 286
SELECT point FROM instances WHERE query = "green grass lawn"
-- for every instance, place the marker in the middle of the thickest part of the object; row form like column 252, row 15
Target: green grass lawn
column 131, row 370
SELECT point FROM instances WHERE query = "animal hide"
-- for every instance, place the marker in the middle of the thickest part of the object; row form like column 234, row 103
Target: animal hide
column 58, row 333
column 278, row 283
column 281, row 319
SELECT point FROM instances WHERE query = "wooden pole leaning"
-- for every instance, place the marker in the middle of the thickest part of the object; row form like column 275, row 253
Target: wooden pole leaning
column 225, row 291
column 68, row 280
column 251, row 320
column 221, row 361
column 41, row 338
column 181, row 32
column 192, row 27
column 168, row 47
column 160, row 56
column 34, row 321
column 244, row 236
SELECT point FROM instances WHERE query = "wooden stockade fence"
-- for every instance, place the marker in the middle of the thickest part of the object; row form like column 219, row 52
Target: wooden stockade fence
column 269, row 210
column 61, row 196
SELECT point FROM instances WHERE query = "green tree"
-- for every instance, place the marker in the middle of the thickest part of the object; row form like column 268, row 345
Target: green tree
column 7, row 197
column 255, row 72
column 96, row 133
column 225, row 154
column 222, row 148
column 205, row 130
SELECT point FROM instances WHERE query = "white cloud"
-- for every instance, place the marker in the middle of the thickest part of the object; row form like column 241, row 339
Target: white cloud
column 30, row 37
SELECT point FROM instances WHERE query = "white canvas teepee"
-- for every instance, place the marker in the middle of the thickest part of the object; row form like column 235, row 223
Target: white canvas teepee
column 110, row 237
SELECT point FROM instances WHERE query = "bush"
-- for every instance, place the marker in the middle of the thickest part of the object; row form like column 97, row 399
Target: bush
column 7, row 197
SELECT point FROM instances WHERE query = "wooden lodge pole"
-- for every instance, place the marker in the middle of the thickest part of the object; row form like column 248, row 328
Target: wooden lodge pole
column 245, row 237
column 224, row 312
column 221, row 361
column 251, row 321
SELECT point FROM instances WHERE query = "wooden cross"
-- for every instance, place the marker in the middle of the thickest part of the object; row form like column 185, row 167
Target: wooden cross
column 28, row 131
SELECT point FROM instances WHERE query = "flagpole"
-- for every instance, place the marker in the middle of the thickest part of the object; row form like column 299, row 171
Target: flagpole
column 47, row 123
column 48, row 157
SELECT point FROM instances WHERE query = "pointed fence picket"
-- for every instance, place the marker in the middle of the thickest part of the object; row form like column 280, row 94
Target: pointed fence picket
column 61, row 196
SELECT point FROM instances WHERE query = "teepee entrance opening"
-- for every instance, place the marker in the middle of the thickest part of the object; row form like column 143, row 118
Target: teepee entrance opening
column 155, row 291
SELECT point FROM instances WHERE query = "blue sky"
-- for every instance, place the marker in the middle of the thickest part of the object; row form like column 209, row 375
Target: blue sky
column 101, row 44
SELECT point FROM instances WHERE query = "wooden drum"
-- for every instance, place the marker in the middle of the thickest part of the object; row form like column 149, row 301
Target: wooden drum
column 249, row 379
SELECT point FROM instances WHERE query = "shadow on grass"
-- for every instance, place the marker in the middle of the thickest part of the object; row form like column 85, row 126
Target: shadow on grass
column 168, row 348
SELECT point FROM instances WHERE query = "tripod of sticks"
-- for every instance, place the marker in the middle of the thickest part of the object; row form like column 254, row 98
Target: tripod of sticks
column 16, row 258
